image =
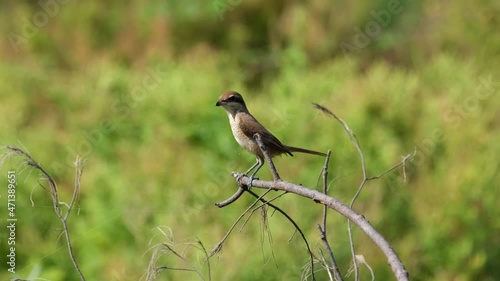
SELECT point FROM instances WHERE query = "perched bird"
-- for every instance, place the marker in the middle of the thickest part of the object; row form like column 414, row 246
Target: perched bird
column 245, row 126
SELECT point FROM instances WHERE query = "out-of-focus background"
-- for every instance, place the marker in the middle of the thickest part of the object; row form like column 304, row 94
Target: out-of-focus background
column 131, row 86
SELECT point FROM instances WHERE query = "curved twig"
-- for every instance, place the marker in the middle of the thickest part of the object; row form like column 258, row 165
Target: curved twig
column 218, row 246
column 233, row 198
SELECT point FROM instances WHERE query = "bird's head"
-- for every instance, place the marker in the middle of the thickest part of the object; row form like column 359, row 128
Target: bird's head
column 232, row 102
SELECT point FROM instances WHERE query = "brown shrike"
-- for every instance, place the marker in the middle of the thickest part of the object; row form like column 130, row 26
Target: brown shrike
column 245, row 126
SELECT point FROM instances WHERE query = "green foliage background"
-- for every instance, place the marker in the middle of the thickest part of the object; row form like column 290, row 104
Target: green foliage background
column 131, row 87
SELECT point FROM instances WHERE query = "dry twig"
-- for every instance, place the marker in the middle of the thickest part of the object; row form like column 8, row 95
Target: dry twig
column 333, row 269
column 52, row 189
column 168, row 247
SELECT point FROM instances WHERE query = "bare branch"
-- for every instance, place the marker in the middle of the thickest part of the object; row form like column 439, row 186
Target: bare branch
column 354, row 140
column 333, row 269
column 79, row 164
column 325, row 186
column 325, row 264
column 233, row 198
column 392, row 258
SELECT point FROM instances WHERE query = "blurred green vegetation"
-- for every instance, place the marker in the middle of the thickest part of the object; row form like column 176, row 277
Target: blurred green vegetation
column 131, row 87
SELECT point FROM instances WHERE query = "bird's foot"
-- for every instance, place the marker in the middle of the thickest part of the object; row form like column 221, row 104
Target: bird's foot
column 238, row 177
column 250, row 180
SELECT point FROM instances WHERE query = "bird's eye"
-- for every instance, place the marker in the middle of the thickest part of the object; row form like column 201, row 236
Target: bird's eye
column 231, row 98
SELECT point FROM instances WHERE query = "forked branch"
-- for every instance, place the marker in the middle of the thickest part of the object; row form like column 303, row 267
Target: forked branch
column 334, row 204
column 355, row 142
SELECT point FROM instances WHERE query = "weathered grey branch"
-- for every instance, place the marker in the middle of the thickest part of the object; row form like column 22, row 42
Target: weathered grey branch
column 392, row 258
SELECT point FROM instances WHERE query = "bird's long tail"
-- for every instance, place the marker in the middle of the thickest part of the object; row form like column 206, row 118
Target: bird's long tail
column 302, row 150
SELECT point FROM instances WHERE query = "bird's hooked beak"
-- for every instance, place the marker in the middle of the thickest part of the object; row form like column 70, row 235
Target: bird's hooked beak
column 220, row 103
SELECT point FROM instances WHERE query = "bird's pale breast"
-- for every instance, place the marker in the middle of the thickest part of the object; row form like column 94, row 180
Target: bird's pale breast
column 246, row 142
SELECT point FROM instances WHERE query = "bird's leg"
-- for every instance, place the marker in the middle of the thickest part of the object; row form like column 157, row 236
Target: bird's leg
column 253, row 166
column 259, row 165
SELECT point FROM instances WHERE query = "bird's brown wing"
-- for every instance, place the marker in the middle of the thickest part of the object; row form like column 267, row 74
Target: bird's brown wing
column 252, row 126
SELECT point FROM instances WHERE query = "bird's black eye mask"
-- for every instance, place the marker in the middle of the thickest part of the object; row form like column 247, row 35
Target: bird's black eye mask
column 235, row 99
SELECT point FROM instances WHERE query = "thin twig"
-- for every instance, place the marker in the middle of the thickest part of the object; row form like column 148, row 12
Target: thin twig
column 325, row 263
column 401, row 163
column 160, row 250
column 265, row 202
column 206, row 259
column 333, row 269
column 169, row 247
column 269, row 160
column 311, row 255
column 355, row 142
column 325, row 185
column 160, row 268
column 218, row 246
column 193, row 268
column 266, row 230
